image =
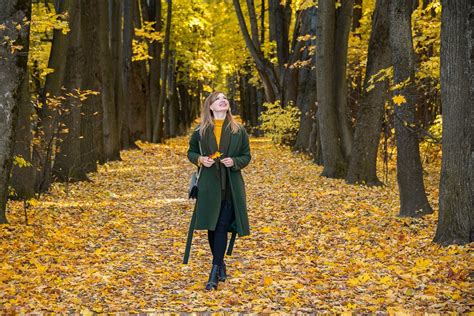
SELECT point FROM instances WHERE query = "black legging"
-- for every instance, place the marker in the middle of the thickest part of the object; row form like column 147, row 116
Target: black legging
column 218, row 238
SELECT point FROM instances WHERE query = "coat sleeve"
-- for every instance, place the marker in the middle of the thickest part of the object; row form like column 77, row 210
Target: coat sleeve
column 244, row 158
column 193, row 150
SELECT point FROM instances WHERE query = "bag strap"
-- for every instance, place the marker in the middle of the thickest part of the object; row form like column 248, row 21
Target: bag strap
column 200, row 151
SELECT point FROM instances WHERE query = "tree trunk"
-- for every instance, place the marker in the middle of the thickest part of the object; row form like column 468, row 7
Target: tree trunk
column 48, row 124
column 456, row 211
column 363, row 163
column 139, row 90
column 357, row 15
column 334, row 164
column 279, row 20
column 92, row 138
column 13, row 70
column 155, row 66
column 307, row 92
column 265, row 68
column 68, row 165
column 158, row 127
column 22, row 180
column 128, row 8
column 343, row 27
column 117, row 57
column 173, row 98
column 413, row 201
column 110, row 122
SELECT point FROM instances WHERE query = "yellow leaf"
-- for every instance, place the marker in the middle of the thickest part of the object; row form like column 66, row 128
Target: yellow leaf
column 399, row 99
column 351, row 306
column 353, row 281
column 386, row 280
column 267, row 281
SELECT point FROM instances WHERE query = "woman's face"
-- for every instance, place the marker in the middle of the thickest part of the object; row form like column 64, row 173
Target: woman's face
column 220, row 104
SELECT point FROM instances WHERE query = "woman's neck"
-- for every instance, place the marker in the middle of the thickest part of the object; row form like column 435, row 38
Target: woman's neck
column 219, row 116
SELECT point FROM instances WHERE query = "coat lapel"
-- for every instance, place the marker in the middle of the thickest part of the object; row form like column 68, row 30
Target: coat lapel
column 225, row 138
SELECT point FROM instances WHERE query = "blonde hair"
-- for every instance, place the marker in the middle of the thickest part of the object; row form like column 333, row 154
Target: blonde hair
column 207, row 115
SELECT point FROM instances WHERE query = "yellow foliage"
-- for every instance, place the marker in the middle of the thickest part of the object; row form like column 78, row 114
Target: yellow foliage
column 280, row 123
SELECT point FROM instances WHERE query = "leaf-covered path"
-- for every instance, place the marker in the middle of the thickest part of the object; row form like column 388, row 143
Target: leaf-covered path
column 316, row 244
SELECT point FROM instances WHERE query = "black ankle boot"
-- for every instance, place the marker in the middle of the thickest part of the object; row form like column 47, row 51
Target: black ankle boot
column 222, row 272
column 213, row 278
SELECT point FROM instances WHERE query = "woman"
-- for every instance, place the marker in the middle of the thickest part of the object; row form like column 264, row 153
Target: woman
column 220, row 146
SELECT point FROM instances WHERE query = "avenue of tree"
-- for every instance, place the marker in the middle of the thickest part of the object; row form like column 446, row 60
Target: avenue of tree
column 81, row 80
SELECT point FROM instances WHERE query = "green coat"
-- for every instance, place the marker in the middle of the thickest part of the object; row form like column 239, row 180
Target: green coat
column 208, row 202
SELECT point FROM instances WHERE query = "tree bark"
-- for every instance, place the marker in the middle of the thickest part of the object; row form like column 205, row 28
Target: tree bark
column 279, row 20
column 265, row 68
column 158, row 127
column 117, row 48
column 413, row 200
column 155, row 65
column 363, row 163
column 343, row 27
column 68, row 165
column 92, row 138
column 22, row 180
column 173, row 116
column 13, row 70
column 110, row 122
column 128, row 8
column 139, row 90
column 48, row 123
column 307, row 91
column 456, row 211
column 334, row 163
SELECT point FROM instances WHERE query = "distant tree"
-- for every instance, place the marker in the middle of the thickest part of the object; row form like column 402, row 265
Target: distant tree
column 363, row 163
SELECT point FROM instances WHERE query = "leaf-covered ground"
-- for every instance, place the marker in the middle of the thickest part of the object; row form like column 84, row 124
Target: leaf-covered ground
column 316, row 244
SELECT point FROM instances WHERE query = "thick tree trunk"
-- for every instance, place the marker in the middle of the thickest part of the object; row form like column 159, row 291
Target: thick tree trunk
column 307, row 91
column 22, row 180
column 127, row 77
column 456, row 202
column 68, row 165
column 92, row 138
column 13, row 70
column 116, row 37
column 413, row 201
column 343, row 27
column 110, row 122
column 334, row 164
column 363, row 163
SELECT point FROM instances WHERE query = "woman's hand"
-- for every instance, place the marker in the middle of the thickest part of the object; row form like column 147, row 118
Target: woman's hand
column 228, row 162
column 206, row 161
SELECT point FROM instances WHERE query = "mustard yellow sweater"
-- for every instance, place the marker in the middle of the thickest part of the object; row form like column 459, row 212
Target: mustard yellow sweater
column 218, row 129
